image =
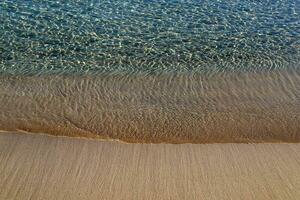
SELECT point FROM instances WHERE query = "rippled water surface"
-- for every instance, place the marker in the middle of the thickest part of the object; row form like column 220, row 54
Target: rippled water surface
column 80, row 36
column 152, row 71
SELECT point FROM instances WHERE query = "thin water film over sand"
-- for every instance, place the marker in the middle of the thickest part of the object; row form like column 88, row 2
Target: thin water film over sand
column 152, row 71
column 246, row 107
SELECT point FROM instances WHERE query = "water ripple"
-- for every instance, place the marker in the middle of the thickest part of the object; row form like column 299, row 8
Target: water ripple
column 40, row 37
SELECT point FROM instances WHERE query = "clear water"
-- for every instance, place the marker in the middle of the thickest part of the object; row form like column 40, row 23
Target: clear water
column 152, row 71
column 81, row 36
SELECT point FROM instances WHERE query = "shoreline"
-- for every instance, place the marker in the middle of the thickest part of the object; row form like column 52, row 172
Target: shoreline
column 174, row 108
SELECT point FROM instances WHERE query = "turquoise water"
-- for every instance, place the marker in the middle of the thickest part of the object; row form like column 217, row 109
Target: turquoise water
column 81, row 36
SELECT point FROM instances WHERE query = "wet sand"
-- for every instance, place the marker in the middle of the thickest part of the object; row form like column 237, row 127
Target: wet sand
column 221, row 109
column 44, row 167
column 171, row 108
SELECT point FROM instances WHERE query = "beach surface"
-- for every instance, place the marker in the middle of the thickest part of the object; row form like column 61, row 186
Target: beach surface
column 34, row 166
column 165, row 108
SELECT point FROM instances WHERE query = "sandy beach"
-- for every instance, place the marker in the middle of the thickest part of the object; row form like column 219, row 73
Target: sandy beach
column 168, row 108
column 45, row 167
column 149, row 100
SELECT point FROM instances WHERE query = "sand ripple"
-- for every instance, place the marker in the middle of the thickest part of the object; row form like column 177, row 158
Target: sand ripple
column 174, row 108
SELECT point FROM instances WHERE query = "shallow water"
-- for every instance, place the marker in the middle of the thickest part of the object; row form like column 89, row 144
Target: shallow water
column 38, row 37
column 245, row 107
column 152, row 71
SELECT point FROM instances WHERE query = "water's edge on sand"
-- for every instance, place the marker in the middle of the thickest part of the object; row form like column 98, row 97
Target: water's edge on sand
column 165, row 108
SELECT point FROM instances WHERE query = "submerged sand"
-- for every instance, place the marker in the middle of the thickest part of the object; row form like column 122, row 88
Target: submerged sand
column 171, row 108
column 42, row 167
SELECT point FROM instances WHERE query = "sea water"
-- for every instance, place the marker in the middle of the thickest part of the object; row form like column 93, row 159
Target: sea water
column 152, row 71
column 84, row 36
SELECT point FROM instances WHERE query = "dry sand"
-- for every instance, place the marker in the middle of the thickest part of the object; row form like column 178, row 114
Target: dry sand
column 44, row 167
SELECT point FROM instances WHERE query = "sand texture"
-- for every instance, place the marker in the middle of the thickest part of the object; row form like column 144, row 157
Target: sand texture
column 171, row 108
column 41, row 167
